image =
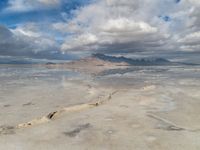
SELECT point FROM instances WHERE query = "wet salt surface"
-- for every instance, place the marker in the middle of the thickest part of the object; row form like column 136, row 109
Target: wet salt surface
column 151, row 74
column 15, row 72
column 153, row 106
column 17, row 76
column 27, row 92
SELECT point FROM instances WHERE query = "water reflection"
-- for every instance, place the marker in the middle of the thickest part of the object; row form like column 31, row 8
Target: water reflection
column 17, row 76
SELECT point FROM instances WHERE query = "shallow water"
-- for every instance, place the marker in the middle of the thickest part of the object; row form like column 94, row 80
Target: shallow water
column 14, row 77
column 19, row 76
column 29, row 91
column 139, row 76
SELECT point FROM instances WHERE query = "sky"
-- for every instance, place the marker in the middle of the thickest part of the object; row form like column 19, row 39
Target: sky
column 65, row 29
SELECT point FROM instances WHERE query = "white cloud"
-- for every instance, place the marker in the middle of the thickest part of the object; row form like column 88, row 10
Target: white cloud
column 32, row 34
column 191, row 38
column 190, row 42
column 25, row 41
column 29, row 29
column 113, row 22
column 29, row 5
column 66, row 28
column 83, row 41
column 117, row 25
column 132, row 25
column 49, row 2
column 124, row 25
column 196, row 2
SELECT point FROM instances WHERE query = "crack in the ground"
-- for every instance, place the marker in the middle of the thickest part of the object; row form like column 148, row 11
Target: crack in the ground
column 53, row 115
column 170, row 126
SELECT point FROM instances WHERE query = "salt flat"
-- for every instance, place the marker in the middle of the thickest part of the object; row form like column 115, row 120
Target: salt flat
column 148, row 108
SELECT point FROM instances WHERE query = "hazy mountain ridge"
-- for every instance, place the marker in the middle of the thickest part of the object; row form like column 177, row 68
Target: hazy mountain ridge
column 130, row 61
column 15, row 61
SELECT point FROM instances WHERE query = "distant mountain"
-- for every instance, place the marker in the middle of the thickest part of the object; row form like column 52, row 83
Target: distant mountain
column 23, row 61
column 50, row 63
column 130, row 61
column 100, row 64
column 3, row 61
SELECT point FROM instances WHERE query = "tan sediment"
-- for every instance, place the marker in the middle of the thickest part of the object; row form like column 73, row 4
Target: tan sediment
column 53, row 115
column 148, row 88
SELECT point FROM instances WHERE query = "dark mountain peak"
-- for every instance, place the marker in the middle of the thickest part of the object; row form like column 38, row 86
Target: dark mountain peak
column 130, row 61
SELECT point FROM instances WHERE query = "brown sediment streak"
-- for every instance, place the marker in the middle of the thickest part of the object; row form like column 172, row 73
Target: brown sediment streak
column 58, row 113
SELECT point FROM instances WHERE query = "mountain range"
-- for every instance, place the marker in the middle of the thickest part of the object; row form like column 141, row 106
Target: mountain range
column 134, row 62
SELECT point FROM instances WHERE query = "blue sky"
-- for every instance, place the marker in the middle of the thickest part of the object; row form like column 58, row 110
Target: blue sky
column 41, row 16
column 15, row 17
column 62, row 29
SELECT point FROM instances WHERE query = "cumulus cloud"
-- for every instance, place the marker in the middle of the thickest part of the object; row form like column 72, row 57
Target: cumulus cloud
column 133, row 25
column 33, row 34
column 9, row 42
column 112, row 22
column 107, row 26
column 25, row 41
column 190, row 42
